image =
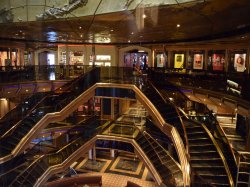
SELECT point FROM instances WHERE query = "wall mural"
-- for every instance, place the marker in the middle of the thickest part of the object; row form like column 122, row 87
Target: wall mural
column 56, row 12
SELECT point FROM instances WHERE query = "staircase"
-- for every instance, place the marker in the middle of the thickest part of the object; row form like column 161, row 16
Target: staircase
column 167, row 169
column 228, row 124
column 243, row 175
column 167, row 110
column 206, row 163
column 38, row 107
column 29, row 176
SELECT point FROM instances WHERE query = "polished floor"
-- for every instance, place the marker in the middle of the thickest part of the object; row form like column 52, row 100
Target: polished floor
column 126, row 164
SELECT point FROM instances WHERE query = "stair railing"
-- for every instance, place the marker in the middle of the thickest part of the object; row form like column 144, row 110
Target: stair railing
column 242, row 160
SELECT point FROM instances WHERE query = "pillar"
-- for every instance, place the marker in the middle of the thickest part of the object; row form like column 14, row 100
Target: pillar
column 90, row 154
column 112, row 153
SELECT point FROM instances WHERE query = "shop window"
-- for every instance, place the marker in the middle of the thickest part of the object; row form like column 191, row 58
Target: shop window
column 136, row 58
column 76, row 58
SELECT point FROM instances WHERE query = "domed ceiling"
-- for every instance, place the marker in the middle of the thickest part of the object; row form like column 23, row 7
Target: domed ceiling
column 124, row 21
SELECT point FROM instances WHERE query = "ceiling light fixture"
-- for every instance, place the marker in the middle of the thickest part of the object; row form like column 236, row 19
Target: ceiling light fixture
column 144, row 16
column 111, row 30
column 80, row 27
column 178, row 25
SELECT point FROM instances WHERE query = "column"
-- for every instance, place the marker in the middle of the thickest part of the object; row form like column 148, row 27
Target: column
column 112, row 109
column 112, row 153
column 93, row 55
column 94, row 153
column 90, row 154
column 67, row 62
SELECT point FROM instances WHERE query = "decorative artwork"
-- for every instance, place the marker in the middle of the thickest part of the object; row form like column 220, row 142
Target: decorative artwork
column 160, row 60
column 239, row 62
column 57, row 12
column 198, row 61
column 178, row 60
column 218, row 61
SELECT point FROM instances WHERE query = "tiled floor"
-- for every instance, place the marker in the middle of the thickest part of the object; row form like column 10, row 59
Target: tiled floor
column 114, row 180
column 125, row 166
column 124, row 163
column 116, row 172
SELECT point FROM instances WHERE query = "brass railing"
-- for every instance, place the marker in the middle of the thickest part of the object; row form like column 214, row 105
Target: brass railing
column 243, row 173
column 230, row 178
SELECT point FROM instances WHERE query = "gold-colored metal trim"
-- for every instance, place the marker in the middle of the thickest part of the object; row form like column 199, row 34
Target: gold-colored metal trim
column 85, row 147
column 230, row 178
column 85, row 96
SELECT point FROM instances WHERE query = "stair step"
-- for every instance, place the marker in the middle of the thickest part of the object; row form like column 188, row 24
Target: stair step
column 202, row 152
column 203, row 158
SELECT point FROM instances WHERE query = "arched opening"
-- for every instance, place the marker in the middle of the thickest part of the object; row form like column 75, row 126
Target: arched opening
column 135, row 56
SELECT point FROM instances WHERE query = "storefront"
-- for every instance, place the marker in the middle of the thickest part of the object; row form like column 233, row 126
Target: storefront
column 9, row 57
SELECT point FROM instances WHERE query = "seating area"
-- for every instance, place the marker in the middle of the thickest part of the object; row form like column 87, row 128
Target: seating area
column 132, row 184
column 79, row 180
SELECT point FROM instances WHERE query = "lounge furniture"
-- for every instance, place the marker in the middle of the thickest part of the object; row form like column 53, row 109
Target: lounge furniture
column 132, row 184
column 78, row 180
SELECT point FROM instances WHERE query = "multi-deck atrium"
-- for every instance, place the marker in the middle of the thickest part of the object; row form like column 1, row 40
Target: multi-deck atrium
column 124, row 93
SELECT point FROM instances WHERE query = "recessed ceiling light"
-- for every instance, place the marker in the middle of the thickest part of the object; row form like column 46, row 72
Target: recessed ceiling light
column 178, row 25
column 80, row 27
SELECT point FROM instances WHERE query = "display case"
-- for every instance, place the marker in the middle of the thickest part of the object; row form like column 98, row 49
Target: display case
column 178, row 59
column 160, row 59
column 216, row 60
column 76, row 58
column 237, row 60
column 63, row 58
column 195, row 60
column 101, row 60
